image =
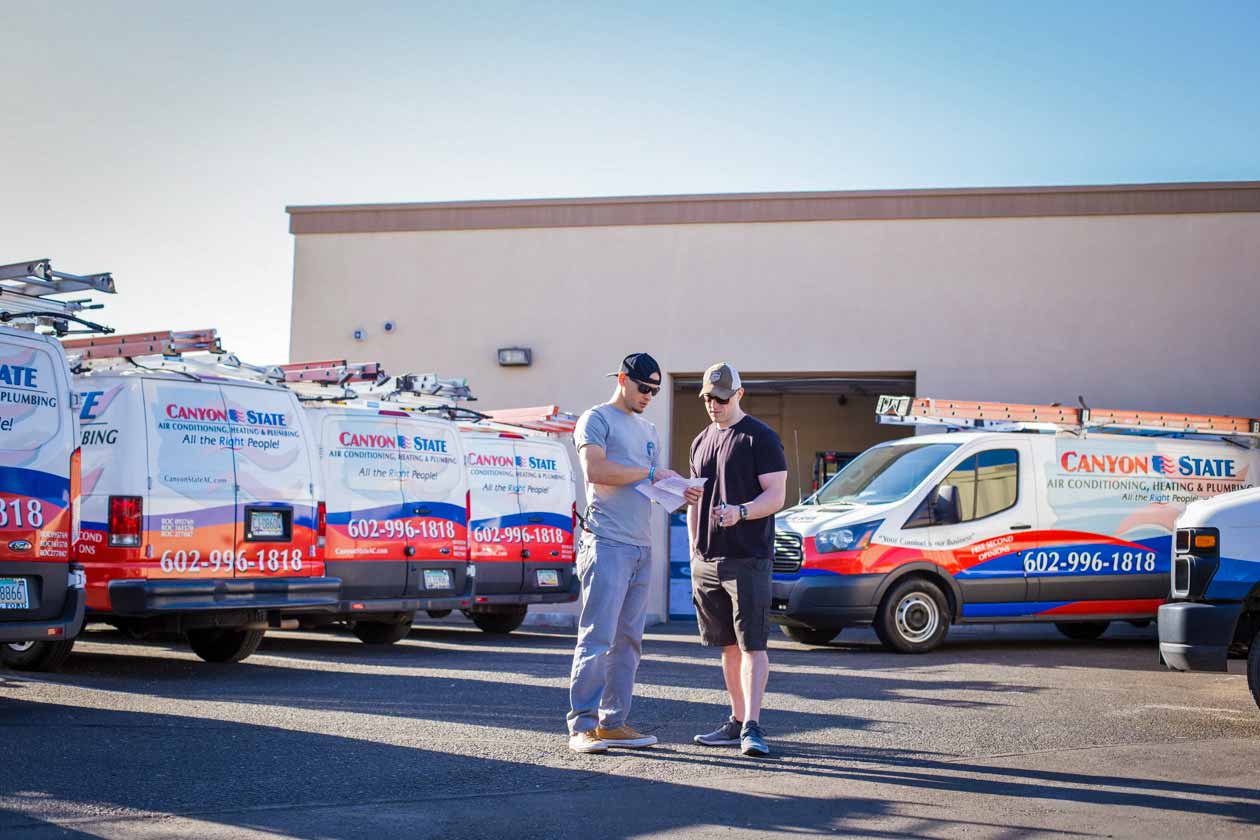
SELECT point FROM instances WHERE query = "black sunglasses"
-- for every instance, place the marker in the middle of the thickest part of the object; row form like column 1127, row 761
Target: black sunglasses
column 645, row 389
column 712, row 398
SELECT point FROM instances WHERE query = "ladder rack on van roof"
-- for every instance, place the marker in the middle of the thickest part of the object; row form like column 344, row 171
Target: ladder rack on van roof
column 1009, row 417
column 26, row 287
column 161, row 343
column 334, row 372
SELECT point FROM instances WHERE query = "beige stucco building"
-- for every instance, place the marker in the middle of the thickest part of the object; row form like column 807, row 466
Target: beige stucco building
column 1141, row 297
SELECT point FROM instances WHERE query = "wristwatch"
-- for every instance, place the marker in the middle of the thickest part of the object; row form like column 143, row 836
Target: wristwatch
column 743, row 512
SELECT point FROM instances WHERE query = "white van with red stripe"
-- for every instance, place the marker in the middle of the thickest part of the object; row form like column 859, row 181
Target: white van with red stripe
column 396, row 506
column 521, row 525
column 1071, row 526
column 199, row 506
column 41, row 597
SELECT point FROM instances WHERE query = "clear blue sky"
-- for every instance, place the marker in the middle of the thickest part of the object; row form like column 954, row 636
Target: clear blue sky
column 162, row 140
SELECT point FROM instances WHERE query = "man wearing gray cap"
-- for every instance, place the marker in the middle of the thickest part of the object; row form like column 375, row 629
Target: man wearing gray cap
column 618, row 449
column 732, row 550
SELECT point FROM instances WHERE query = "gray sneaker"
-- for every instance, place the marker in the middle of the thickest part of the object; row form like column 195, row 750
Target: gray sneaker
column 726, row 735
column 752, row 741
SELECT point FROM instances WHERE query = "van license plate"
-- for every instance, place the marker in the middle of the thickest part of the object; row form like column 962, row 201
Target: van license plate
column 14, row 595
column 548, row 577
column 266, row 524
column 437, row 579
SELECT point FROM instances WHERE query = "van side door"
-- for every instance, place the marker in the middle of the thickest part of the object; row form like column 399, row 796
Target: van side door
column 984, row 521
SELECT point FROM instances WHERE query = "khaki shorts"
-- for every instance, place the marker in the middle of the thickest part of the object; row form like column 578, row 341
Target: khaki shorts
column 732, row 598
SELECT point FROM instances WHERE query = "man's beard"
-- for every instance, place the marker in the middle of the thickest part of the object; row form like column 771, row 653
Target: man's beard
column 635, row 409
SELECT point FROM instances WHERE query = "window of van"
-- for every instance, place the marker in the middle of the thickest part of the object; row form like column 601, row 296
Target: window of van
column 987, row 482
column 883, row 474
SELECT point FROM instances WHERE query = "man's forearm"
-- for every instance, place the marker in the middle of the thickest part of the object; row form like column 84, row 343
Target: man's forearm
column 614, row 474
column 693, row 523
column 766, row 504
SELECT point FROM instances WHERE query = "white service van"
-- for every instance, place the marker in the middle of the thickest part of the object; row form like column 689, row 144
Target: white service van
column 1213, row 614
column 199, row 507
column 41, row 599
column 1069, row 527
column 522, row 512
column 396, row 499
column 41, row 588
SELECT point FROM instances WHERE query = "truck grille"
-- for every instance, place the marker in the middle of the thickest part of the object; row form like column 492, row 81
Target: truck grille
column 787, row 552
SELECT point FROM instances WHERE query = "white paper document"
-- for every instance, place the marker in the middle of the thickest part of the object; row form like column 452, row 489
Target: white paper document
column 668, row 492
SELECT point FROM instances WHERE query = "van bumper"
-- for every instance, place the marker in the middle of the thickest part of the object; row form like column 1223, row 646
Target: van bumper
column 64, row 627
column 138, row 598
column 1195, row 636
column 560, row 596
column 451, row 601
column 825, row 601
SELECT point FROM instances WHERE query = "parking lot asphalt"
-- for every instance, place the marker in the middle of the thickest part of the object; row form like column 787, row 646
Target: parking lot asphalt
column 1006, row 732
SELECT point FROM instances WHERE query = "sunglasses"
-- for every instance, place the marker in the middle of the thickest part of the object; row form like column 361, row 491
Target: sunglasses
column 718, row 400
column 646, row 389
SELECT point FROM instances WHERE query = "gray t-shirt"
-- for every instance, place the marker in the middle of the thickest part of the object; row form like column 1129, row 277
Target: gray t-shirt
column 622, row 513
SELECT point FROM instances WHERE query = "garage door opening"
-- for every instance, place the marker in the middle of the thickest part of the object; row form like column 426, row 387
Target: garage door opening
column 824, row 419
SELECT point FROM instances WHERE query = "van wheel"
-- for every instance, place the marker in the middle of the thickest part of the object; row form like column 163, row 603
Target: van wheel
column 384, row 632
column 36, row 656
column 216, row 644
column 914, row 617
column 1082, row 631
column 438, row 613
column 812, row 636
column 1253, row 669
column 500, row 622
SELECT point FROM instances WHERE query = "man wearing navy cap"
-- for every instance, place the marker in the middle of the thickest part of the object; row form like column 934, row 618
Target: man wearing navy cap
column 618, row 449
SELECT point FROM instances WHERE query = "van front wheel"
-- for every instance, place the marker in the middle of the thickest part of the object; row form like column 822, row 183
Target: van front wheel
column 914, row 617
column 36, row 656
column 1082, row 631
column 215, row 644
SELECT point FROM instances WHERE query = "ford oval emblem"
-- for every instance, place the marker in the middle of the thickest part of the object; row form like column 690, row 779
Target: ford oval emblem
column 19, row 545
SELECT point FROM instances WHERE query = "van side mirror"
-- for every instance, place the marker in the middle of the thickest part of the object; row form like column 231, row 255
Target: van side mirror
column 945, row 506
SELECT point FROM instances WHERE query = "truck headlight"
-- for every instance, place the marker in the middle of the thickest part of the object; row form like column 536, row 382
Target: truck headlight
column 837, row 539
column 844, row 539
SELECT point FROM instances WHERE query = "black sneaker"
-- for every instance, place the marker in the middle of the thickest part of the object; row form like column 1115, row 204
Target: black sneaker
column 752, row 740
column 726, row 735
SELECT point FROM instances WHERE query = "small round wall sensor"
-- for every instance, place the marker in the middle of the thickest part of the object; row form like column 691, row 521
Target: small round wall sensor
column 389, row 326
column 360, row 334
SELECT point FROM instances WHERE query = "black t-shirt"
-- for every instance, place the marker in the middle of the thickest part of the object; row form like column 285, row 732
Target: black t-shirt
column 731, row 459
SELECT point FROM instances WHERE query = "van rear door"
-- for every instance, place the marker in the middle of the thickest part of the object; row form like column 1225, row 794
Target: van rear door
column 275, row 481
column 435, row 500
column 495, row 539
column 37, row 437
column 545, row 475
column 189, row 525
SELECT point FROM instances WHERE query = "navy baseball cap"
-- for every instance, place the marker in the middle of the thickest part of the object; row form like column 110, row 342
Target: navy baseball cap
column 640, row 367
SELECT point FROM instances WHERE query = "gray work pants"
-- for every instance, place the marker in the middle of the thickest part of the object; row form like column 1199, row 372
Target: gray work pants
column 615, row 578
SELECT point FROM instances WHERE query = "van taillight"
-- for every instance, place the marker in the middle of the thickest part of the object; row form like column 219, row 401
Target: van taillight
column 126, row 515
column 321, row 522
column 468, row 508
column 575, row 517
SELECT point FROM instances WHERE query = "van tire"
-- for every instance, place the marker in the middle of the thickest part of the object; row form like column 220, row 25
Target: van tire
column 438, row 613
column 811, row 635
column 1253, row 669
column 1082, row 631
column 913, row 617
column 36, row 656
column 217, row 644
column 384, row 632
column 500, row 622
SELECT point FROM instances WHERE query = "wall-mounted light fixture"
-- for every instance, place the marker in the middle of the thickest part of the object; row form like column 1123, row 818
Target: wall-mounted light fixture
column 515, row 356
